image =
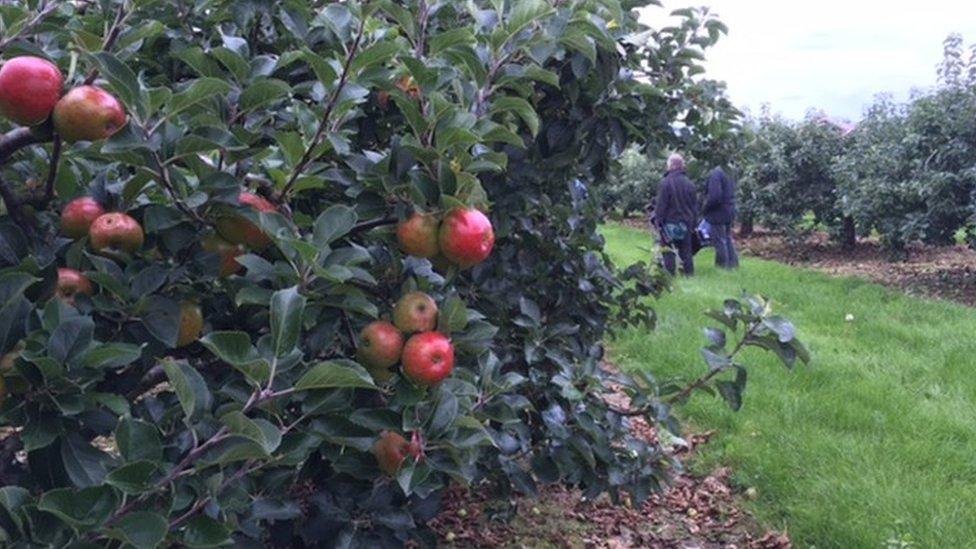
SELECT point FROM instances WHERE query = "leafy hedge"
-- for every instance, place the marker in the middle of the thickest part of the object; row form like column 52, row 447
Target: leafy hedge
column 345, row 117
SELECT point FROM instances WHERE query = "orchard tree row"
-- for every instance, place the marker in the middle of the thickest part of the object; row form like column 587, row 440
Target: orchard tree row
column 279, row 273
column 906, row 172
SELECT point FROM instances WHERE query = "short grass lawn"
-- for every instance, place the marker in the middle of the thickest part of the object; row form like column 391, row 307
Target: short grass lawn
column 872, row 445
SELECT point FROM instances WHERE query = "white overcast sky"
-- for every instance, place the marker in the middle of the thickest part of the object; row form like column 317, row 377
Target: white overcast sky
column 833, row 55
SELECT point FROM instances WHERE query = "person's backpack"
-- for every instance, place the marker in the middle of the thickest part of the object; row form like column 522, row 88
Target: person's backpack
column 675, row 232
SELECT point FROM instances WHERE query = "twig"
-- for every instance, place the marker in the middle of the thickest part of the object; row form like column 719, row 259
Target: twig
column 15, row 140
column 52, row 174
column 167, row 184
column 372, row 224
column 323, row 124
column 110, row 38
column 46, row 9
column 697, row 384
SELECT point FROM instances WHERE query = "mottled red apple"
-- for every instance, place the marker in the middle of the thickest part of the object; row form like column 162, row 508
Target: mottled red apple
column 78, row 215
column 466, row 237
column 88, row 113
column 29, row 89
column 428, row 358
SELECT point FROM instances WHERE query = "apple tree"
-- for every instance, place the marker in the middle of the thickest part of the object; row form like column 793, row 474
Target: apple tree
column 278, row 273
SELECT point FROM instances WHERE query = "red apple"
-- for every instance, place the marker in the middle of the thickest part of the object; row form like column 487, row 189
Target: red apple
column 72, row 283
column 191, row 324
column 238, row 229
column 88, row 113
column 418, row 235
column 227, row 252
column 466, row 237
column 29, row 89
column 380, row 344
column 78, row 215
column 390, row 451
column 415, row 312
column 428, row 358
column 116, row 232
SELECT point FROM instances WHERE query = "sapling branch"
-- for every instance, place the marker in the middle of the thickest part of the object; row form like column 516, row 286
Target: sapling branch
column 110, row 38
column 326, row 116
column 697, row 383
column 47, row 8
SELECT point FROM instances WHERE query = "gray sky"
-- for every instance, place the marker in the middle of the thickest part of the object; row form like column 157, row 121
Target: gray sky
column 834, row 55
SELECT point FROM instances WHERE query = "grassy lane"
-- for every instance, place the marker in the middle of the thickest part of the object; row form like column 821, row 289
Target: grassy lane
column 875, row 441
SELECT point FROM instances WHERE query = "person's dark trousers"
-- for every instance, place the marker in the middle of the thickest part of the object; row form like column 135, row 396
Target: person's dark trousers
column 684, row 252
column 725, row 254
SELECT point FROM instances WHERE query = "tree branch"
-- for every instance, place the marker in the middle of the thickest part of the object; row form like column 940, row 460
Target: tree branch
column 329, row 107
column 46, row 9
column 41, row 201
column 110, row 38
column 15, row 140
column 372, row 224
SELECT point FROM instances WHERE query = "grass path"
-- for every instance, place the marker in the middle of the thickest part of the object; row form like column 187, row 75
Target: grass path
column 875, row 441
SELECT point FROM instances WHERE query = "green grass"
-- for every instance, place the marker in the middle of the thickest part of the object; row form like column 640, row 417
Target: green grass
column 874, row 441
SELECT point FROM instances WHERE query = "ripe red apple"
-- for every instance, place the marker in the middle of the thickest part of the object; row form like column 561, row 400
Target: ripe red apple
column 415, row 312
column 78, row 215
column 29, row 89
column 380, row 345
column 466, row 237
column 227, row 252
column 191, row 323
column 390, row 451
column 418, row 235
column 72, row 283
column 116, row 232
column 88, row 113
column 428, row 358
column 238, row 229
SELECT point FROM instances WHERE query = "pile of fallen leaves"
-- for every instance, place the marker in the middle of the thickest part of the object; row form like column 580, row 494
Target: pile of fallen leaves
column 692, row 512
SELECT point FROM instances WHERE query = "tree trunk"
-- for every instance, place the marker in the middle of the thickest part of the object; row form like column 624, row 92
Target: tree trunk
column 848, row 235
column 745, row 227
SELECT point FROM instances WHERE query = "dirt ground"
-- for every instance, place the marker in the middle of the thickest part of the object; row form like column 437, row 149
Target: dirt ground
column 936, row 272
column 694, row 512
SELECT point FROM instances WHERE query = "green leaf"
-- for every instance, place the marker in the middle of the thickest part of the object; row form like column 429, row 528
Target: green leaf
column 333, row 374
column 732, row 394
column 143, row 529
column 334, row 223
column 71, row 337
column 190, row 387
column 452, row 315
column 203, row 531
column 111, row 355
column 82, row 509
column 258, row 430
column 133, row 478
column 263, row 93
column 521, row 107
column 287, row 307
column 138, row 440
column 161, row 317
column 200, row 90
column 376, row 54
column 84, row 464
column 235, row 348
column 120, row 78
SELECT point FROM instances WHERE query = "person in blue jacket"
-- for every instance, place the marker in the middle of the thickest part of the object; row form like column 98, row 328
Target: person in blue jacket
column 719, row 210
column 676, row 216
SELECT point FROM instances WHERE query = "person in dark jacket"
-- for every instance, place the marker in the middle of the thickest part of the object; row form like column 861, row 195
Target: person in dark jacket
column 719, row 211
column 676, row 215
